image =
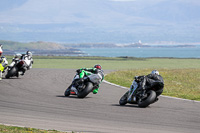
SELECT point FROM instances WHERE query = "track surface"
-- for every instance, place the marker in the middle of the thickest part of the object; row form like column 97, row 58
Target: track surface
column 36, row 100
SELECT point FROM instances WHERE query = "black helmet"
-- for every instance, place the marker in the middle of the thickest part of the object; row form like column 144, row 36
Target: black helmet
column 97, row 66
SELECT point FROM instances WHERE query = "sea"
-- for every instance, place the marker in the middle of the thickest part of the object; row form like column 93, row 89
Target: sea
column 143, row 52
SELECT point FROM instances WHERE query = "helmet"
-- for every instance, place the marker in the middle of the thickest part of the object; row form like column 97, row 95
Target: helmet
column 29, row 53
column 17, row 56
column 155, row 72
column 97, row 66
column 4, row 57
column 1, row 51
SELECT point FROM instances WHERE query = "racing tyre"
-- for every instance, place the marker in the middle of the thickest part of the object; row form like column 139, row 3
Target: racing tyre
column 85, row 91
column 123, row 99
column 11, row 72
column 67, row 91
column 151, row 96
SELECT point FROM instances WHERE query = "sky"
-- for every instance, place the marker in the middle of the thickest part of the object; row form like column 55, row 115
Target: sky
column 100, row 20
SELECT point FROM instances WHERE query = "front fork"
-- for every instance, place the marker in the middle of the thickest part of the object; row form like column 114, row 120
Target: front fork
column 131, row 96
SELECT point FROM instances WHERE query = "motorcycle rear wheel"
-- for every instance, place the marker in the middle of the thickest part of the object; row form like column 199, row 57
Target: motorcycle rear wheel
column 151, row 96
column 85, row 91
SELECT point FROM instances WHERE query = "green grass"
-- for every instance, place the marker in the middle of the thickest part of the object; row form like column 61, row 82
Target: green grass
column 14, row 129
column 109, row 63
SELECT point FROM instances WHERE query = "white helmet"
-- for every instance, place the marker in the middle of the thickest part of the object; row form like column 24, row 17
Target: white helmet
column 17, row 56
column 155, row 72
column 29, row 53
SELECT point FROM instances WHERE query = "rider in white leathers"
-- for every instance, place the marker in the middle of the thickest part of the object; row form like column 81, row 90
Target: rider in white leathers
column 28, row 59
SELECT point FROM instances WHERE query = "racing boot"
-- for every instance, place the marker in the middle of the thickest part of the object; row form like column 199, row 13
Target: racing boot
column 23, row 71
column 95, row 91
column 17, row 75
column 156, row 99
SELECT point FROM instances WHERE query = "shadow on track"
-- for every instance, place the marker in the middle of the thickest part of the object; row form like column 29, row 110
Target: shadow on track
column 130, row 106
column 72, row 96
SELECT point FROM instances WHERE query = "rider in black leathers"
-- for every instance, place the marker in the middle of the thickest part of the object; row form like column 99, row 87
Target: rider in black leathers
column 153, row 80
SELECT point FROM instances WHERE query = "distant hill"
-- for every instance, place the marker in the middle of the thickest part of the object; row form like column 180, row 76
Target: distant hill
column 11, row 45
column 38, row 48
column 100, row 21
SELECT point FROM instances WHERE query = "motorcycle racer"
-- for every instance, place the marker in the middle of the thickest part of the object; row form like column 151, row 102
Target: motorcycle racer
column 16, row 59
column 155, row 80
column 28, row 59
column 85, row 72
column 3, row 62
column 152, row 80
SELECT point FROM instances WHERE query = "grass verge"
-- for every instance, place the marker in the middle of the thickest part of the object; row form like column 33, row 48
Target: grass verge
column 14, row 129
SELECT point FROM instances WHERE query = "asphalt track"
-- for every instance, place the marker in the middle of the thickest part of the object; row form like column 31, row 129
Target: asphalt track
column 36, row 100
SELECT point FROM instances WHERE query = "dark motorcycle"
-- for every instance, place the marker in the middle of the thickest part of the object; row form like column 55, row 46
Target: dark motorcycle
column 141, row 97
column 90, row 83
column 18, row 67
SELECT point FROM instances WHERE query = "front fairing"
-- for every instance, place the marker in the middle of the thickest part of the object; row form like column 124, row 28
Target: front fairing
column 134, row 86
column 95, row 78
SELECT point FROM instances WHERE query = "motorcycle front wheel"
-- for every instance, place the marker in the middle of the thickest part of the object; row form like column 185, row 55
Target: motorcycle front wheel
column 67, row 91
column 11, row 72
column 123, row 99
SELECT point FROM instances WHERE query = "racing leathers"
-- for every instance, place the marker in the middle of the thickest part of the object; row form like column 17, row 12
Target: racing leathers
column 3, row 66
column 88, row 71
column 28, row 60
column 151, row 81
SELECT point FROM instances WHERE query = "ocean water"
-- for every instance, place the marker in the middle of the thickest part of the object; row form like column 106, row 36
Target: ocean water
column 185, row 52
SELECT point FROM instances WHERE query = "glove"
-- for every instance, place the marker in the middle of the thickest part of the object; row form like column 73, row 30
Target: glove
column 139, row 78
column 95, row 71
column 78, row 70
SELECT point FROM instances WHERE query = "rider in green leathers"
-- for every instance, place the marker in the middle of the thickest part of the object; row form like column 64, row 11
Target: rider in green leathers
column 88, row 71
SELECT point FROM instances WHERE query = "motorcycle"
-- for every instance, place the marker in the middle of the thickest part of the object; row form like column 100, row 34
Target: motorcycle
column 90, row 82
column 16, row 69
column 136, row 96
